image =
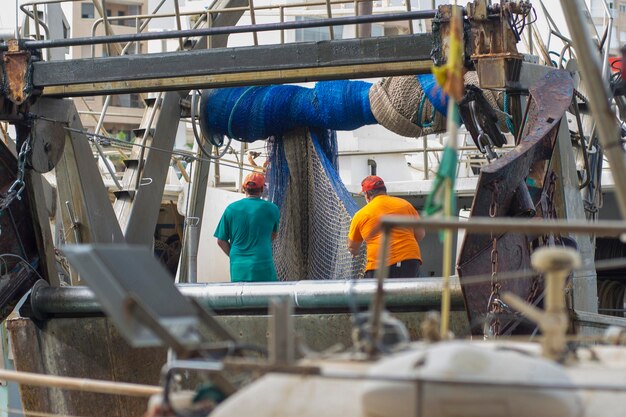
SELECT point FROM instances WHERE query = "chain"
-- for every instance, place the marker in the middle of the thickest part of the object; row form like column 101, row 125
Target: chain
column 494, row 306
column 548, row 239
column 17, row 188
column 580, row 96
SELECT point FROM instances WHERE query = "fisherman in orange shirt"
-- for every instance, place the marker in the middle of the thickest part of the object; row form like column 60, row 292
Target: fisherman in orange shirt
column 404, row 255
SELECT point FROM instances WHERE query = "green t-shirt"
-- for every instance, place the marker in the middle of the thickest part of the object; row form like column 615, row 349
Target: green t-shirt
column 248, row 225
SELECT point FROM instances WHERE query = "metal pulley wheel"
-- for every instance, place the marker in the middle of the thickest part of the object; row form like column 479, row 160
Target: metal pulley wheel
column 47, row 143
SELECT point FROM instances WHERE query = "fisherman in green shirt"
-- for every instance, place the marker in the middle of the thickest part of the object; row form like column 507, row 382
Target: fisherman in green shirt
column 245, row 233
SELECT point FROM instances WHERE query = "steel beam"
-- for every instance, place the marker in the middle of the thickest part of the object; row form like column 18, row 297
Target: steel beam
column 265, row 64
column 419, row 294
column 597, row 89
column 482, row 225
column 79, row 181
column 569, row 206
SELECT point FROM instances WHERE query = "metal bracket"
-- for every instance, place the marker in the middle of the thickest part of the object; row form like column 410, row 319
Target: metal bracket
column 17, row 73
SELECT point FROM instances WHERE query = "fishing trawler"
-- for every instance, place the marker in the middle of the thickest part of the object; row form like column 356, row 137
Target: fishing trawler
column 531, row 180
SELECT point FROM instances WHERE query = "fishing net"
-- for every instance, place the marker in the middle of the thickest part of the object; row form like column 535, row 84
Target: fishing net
column 303, row 180
column 253, row 113
column 316, row 209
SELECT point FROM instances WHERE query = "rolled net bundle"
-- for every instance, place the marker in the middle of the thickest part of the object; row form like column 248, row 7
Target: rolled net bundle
column 415, row 106
column 260, row 112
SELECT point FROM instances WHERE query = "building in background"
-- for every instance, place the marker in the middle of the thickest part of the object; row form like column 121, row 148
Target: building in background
column 125, row 110
column 599, row 10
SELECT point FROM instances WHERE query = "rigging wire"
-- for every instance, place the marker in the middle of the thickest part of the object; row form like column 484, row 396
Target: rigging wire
column 13, row 255
column 127, row 145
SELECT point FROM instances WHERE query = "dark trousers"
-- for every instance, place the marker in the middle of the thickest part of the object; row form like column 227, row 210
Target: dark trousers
column 409, row 268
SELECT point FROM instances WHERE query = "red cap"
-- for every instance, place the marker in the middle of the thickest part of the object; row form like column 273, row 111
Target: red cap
column 254, row 181
column 373, row 182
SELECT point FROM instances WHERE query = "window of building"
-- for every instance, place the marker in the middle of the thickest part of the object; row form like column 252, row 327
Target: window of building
column 123, row 22
column 134, row 9
column 622, row 7
column 86, row 11
column 315, row 34
column 136, row 101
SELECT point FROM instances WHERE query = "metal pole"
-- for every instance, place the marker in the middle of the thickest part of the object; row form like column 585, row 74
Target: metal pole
column 282, row 20
column 486, row 225
column 17, row 20
column 416, row 294
column 108, row 31
column 107, row 165
column 178, row 23
column 329, row 14
column 191, row 241
column 36, row 13
column 378, row 304
column 281, row 344
column 227, row 30
column 255, row 36
column 109, row 168
column 607, row 47
column 598, row 95
column 364, row 8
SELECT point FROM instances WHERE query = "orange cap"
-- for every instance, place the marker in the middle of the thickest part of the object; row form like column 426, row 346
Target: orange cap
column 373, row 182
column 254, row 181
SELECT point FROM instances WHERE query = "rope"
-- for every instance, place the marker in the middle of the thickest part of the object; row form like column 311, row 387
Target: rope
column 80, row 384
column 508, row 120
column 32, row 413
column 420, row 110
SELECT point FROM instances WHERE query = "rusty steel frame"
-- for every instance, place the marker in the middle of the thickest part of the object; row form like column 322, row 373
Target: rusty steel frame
column 502, row 191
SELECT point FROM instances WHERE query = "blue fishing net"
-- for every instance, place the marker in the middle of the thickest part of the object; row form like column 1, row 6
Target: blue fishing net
column 252, row 113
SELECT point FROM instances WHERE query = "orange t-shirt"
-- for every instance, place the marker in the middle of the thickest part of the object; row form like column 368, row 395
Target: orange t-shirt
column 403, row 243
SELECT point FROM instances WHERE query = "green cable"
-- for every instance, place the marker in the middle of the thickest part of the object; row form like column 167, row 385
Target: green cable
column 508, row 119
column 420, row 111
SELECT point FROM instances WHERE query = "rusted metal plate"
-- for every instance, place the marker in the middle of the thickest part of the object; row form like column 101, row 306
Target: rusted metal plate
column 16, row 63
column 496, row 72
column 496, row 196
